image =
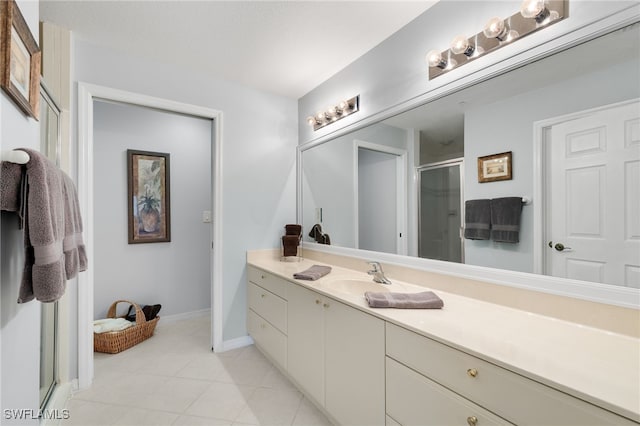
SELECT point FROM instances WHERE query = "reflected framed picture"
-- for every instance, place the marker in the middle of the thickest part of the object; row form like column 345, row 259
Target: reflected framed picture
column 149, row 207
column 495, row 167
column 20, row 59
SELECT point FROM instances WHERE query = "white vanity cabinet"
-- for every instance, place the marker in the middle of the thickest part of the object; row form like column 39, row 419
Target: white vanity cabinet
column 413, row 399
column 475, row 390
column 267, row 314
column 336, row 354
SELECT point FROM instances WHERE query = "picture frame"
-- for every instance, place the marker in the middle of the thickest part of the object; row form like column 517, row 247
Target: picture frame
column 20, row 59
column 149, row 202
column 495, row 167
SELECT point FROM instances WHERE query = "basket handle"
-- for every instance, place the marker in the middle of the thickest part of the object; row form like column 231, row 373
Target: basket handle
column 140, row 317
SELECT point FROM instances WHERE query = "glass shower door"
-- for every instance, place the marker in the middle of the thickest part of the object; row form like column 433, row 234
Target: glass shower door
column 50, row 146
column 440, row 212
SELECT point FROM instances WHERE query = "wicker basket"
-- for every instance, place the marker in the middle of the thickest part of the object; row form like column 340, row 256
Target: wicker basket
column 112, row 342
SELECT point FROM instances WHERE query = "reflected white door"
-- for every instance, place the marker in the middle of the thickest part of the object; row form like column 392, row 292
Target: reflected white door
column 593, row 192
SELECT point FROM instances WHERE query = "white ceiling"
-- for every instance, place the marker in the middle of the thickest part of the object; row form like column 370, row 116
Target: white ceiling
column 283, row 47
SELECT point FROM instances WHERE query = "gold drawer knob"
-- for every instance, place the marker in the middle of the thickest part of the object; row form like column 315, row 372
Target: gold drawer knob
column 472, row 372
column 317, row 301
column 472, row 420
column 326, row 305
column 262, row 277
column 263, row 295
column 263, row 326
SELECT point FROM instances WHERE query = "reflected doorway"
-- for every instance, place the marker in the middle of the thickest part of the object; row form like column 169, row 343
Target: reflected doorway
column 440, row 211
column 380, row 182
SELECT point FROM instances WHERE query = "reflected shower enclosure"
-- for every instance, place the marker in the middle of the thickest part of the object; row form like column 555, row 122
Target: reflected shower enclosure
column 441, row 211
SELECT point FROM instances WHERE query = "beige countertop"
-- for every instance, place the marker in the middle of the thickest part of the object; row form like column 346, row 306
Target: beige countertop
column 597, row 366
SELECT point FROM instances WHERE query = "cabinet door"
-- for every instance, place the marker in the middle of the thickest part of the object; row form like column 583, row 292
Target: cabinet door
column 305, row 343
column 268, row 338
column 354, row 365
column 413, row 399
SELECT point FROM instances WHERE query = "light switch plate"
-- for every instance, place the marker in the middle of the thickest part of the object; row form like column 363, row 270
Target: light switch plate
column 206, row 216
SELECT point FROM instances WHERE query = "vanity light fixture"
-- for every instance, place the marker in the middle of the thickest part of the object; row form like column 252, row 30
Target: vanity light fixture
column 533, row 16
column 334, row 113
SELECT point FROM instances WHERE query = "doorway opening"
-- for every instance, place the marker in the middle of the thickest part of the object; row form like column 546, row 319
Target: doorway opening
column 87, row 96
column 380, row 184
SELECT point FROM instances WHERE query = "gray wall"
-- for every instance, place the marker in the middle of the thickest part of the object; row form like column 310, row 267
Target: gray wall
column 19, row 324
column 514, row 117
column 175, row 274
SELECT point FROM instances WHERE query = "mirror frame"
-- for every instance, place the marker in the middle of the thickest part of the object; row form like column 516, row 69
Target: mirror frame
column 601, row 293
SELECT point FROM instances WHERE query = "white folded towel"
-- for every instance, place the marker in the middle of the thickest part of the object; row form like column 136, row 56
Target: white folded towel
column 110, row 324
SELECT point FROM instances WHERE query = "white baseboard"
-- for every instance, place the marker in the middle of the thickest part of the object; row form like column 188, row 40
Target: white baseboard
column 236, row 343
column 184, row 316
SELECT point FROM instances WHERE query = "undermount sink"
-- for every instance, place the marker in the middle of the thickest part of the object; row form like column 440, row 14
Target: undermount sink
column 355, row 286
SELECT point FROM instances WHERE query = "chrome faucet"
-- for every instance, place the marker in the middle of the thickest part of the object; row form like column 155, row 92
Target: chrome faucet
column 378, row 275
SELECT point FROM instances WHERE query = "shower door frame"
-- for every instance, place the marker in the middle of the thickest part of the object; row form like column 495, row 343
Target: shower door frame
column 440, row 165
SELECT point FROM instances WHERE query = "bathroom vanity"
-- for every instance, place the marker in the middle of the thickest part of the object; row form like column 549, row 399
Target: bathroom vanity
column 472, row 362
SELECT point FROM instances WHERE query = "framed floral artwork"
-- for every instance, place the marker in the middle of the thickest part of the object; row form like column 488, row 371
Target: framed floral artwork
column 20, row 59
column 149, row 197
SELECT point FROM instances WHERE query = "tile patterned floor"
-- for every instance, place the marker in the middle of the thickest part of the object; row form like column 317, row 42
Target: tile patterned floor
column 173, row 378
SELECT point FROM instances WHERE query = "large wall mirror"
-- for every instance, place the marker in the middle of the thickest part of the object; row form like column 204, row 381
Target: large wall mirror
column 572, row 124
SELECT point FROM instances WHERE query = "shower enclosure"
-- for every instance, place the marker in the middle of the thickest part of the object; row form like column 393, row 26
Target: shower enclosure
column 441, row 211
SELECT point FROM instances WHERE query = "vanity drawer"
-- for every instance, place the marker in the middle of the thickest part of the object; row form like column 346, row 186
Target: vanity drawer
column 412, row 399
column 269, row 281
column 268, row 305
column 268, row 338
column 514, row 397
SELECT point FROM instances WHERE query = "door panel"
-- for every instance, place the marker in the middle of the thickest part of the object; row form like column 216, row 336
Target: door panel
column 593, row 187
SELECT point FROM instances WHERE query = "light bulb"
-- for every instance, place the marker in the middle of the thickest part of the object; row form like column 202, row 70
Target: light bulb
column 495, row 28
column 460, row 44
column 434, row 59
column 320, row 117
column 551, row 16
column 343, row 106
column 511, row 35
column 311, row 121
column 536, row 9
column 331, row 112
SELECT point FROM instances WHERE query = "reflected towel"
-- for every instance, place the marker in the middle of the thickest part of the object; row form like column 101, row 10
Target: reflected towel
column 477, row 219
column 110, row 324
column 313, row 273
column 422, row 300
column 505, row 219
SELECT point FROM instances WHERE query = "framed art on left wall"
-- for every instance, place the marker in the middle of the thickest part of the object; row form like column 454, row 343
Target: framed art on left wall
column 149, row 197
column 20, row 59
